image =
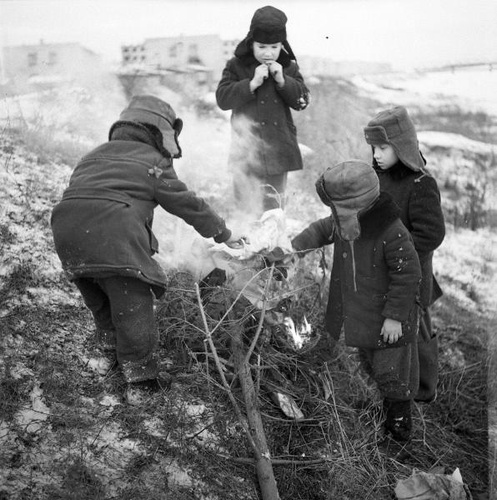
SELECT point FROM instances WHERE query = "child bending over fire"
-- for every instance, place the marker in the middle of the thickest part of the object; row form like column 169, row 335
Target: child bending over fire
column 102, row 230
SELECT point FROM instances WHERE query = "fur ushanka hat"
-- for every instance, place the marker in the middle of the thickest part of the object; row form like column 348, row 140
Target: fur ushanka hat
column 268, row 25
column 154, row 111
column 394, row 127
column 348, row 189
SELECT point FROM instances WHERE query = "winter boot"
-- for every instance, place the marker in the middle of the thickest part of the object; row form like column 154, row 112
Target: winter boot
column 137, row 393
column 106, row 339
column 398, row 421
column 398, row 427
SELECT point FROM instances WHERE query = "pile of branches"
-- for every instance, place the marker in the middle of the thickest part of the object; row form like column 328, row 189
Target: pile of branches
column 274, row 376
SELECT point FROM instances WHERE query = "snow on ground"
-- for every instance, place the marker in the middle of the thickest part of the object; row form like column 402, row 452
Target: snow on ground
column 473, row 90
column 456, row 141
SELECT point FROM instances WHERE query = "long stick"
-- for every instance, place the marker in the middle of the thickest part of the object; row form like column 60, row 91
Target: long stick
column 265, row 474
column 255, row 429
column 219, row 367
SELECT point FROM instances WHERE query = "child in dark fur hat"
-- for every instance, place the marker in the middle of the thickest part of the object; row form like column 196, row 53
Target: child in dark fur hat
column 102, row 230
column 400, row 168
column 261, row 84
column 374, row 284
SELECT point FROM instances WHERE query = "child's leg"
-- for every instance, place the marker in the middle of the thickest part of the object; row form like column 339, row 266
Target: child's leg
column 133, row 316
column 428, row 360
column 98, row 303
column 396, row 372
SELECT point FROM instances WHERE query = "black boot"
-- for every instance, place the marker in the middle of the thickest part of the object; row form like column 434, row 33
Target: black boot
column 398, row 421
column 398, row 426
column 138, row 393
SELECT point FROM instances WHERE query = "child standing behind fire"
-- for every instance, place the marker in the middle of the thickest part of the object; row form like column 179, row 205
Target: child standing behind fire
column 102, row 230
column 260, row 84
column 400, row 168
column 375, row 281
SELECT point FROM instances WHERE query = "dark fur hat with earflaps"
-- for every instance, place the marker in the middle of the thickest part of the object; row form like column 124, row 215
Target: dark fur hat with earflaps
column 268, row 25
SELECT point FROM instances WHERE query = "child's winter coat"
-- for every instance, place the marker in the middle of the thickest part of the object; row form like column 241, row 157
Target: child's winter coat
column 103, row 224
column 264, row 136
column 374, row 276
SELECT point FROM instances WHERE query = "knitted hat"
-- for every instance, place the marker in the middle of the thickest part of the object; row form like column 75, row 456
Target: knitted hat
column 348, row 188
column 394, row 127
column 154, row 111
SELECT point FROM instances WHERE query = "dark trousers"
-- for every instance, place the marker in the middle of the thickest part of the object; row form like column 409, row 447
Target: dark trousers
column 255, row 195
column 428, row 359
column 395, row 370
column 125, row 305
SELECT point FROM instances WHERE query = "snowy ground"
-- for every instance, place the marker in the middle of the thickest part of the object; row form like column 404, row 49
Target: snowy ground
column 473, row 90
column 466, row 264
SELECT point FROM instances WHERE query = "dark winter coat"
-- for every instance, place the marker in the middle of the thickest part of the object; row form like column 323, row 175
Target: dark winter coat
column 418, row 196
column 103, row 224
column 373, row 277
column 264, row 136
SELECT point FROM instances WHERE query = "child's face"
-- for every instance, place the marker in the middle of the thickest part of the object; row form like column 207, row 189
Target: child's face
column 267, row 52
column 385, row 156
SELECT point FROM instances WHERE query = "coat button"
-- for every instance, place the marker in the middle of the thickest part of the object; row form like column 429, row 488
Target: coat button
column 262, row 102
column 275, row 124
column 263, row 123
column 344, row 255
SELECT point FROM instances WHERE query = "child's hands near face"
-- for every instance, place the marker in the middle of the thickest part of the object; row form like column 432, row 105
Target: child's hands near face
column 276, row 71
column 391, row 330
column 261, row 73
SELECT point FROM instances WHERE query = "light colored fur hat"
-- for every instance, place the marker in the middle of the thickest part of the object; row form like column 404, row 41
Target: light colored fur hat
column 348, row 189
column 395, row 127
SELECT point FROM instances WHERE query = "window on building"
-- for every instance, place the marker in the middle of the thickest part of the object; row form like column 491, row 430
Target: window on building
column 32, row 59
column 193, row 57
column 52, row 58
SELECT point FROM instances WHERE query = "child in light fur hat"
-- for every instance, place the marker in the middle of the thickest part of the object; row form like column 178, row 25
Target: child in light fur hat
column 401, row 170
column 374, row 284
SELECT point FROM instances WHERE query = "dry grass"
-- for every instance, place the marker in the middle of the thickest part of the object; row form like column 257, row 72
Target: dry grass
column 187, row 443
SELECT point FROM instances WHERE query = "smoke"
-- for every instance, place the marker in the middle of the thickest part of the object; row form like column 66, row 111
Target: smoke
column 247, row 156
column 213, row 155
column 65, row 114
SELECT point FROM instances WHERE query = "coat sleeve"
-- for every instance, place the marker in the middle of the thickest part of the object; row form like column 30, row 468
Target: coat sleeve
column 425, row 215
column 174, row 197
column 404, row 272
column 316, row 235
column 294, row 92
column 232, row 90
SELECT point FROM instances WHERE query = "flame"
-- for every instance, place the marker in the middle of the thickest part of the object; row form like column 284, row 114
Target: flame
column 300, row 335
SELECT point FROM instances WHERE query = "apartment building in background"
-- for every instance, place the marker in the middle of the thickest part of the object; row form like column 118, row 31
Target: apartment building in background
column 203, row 56
column 47, row 63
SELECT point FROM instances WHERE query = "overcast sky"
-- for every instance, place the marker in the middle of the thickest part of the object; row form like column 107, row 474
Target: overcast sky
column 405, row 33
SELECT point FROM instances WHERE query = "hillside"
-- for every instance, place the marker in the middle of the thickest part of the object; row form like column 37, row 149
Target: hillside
column 65, row 431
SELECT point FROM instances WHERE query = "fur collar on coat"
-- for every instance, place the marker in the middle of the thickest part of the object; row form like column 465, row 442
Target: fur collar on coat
column 374, row 221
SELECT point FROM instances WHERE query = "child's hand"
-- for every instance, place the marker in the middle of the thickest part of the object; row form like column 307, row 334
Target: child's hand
column 237, row 241
column 261, row 73
column 276, row 71
column 391, row 330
